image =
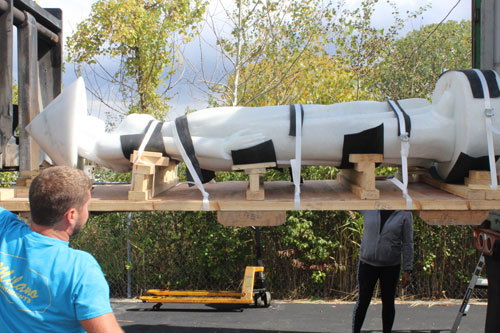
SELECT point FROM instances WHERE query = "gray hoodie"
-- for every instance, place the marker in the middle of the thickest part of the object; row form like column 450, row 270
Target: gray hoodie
column 384, row 247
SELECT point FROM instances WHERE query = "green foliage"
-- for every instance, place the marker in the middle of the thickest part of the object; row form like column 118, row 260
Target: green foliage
column 417, row 60
column 142, row 35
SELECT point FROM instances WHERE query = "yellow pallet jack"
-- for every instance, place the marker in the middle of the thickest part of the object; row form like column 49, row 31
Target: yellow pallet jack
column 247, row 296
column 260, row 297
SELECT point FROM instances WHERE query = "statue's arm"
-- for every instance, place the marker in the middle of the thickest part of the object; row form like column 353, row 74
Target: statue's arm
column 220, row 148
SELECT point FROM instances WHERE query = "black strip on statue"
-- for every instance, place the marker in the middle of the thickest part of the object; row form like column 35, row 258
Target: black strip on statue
column 261, row 153
column 405, row 116
column 132, row 142
column 293, row 130
column 293, row 127
column 370, row 141
column 465, row 163
column 475, row 82
column 185, row 137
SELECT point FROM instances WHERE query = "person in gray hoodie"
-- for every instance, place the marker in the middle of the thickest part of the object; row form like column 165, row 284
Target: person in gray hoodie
column 387, row 236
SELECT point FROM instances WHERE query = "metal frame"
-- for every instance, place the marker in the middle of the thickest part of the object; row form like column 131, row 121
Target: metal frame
column 39, row 45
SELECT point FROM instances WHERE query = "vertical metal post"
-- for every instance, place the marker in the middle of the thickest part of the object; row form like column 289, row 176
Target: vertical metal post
column 6, row 40
column 129, row 273
column 490, row 34
column 29, row 107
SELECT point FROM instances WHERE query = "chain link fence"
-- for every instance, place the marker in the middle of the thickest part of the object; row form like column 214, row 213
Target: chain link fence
column 313, row 256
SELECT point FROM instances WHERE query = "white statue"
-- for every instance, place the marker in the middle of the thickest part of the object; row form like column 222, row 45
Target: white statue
column 453, row 124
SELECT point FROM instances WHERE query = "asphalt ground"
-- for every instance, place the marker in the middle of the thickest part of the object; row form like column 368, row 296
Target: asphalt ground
column 283, row 316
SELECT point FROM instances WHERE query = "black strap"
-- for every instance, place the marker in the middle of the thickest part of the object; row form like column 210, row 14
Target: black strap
column 370, row 141
column 185, row 137
column 475, row 82
column 131, row 142
column 293, row 125
column 405, row 116
column 261, row 153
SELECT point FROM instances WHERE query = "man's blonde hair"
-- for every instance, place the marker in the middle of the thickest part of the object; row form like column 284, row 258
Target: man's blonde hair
column 54, row 191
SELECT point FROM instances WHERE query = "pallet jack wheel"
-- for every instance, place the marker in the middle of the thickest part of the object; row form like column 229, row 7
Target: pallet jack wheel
column 263, row 299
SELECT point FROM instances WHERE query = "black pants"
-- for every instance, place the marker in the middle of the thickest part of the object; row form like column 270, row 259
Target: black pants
column 367, row 278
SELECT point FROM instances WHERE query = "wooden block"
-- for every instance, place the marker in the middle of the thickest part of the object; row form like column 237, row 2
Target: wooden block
column 373, row 158
column 251, row 218
column 253, row 166
column 255, row 195
column 144, row 169
column 142, row 182
column 458, row 190
column 449, row 217
column 479, row 175
column 139, row 196
column 365, row 167
column 471, row 182
column 255, row 182
column 7, row 193
column 363, row 179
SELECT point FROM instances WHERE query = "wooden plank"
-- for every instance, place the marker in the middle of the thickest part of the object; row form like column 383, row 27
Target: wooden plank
column 143, row 169
column 251, row 218
column 29, row 108
column 448, row 217
column 476, row 175
column 372, row 158
column 7, row 193
column 459, row 190
column 50, row 60
column 253, row 166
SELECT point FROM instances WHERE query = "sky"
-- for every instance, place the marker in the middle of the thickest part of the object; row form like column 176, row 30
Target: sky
column 74, row 11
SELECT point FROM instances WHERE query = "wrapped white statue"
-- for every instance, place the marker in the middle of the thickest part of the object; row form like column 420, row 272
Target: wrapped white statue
column 451, row 133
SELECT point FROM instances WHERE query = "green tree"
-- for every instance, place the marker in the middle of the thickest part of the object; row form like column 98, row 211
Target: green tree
column 263, row 41
column 365, row 48
column 144, row 37
column 416, row 60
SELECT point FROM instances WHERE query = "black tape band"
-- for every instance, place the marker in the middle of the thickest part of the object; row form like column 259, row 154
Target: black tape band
column 261, row 153
column 181, row 124
column 465, row 163
column 293, row 125
column 370, row 141
column 475, row 82
column 132, row 142
column 405, row 116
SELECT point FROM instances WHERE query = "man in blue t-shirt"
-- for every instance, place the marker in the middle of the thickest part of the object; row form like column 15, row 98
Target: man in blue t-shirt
column 44, row 284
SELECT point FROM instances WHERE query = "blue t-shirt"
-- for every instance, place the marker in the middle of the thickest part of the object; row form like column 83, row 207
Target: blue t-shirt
column 46, row 286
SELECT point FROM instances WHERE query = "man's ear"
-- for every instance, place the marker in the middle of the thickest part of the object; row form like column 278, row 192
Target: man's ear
column 71, row 216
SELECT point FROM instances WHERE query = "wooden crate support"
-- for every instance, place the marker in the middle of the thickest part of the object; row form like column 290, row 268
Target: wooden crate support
column 361, row 179
column 251, row 218
column 476, row 186
column 151, row 175
column 255, row 172
column 25, row 178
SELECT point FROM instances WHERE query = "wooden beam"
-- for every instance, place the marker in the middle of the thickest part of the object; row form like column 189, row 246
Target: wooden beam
column 6, row 40
column 29, row 107
column 251, row 218
column 448, row 217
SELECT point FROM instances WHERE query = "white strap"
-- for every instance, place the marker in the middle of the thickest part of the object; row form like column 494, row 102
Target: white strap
column 489, row 113
column 189, row 166
column 140, row 151
column 405, row 149
column 296, row 163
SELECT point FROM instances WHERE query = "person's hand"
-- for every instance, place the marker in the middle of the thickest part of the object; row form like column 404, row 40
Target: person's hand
column 241, row 140
column 405, row 282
